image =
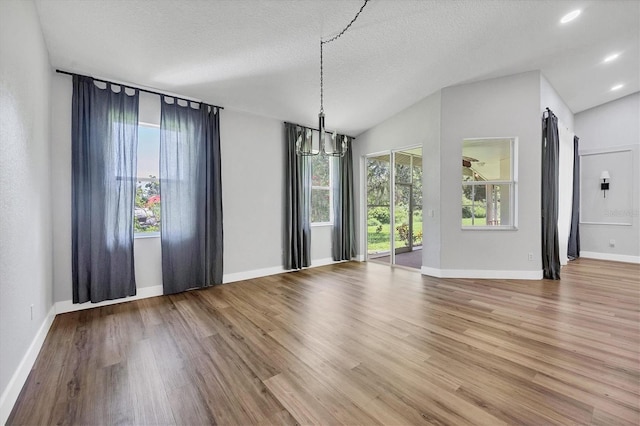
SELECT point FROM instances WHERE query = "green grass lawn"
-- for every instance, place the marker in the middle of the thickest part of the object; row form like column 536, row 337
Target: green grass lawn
column 380, row 241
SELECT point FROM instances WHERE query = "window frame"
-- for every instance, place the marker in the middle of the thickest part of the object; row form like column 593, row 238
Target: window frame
column 329, row 188
column 512, row 184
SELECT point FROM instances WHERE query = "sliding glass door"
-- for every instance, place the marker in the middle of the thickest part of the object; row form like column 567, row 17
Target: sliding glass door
column 378, row 207
column 394, row 207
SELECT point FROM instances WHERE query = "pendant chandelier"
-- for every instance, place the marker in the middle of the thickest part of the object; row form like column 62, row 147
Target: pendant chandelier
column 338, row 146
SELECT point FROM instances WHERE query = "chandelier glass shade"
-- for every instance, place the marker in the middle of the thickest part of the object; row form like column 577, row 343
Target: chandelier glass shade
column 320, row 142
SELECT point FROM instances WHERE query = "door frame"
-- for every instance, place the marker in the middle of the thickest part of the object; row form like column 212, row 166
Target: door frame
column 392, row 192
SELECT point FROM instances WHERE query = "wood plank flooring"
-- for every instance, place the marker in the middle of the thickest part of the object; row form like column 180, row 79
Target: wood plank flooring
column 353, row 343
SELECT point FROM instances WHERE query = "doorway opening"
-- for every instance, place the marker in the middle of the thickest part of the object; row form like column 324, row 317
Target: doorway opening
column 394, row 207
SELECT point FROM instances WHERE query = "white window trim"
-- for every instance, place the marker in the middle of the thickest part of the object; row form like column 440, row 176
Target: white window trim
column 513, row 183
column 142, row 235
column 145, row 179
column 146, row 124
column 321, row 224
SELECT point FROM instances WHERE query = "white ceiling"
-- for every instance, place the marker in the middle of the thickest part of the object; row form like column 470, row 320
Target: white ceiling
column 262, row 56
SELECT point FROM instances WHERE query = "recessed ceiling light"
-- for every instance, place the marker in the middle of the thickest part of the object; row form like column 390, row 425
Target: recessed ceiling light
column 570, row 16
column 617, row 87
column 611, row 57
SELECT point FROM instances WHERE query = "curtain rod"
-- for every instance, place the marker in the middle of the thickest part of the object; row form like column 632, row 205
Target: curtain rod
column 137, row 88
column 313, row 128
column 548, row 111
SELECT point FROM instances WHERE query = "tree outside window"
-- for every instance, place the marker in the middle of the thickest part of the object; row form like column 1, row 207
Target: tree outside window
column 321, row 194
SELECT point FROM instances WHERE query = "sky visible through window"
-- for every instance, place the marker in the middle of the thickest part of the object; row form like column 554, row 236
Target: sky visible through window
column 148, row 151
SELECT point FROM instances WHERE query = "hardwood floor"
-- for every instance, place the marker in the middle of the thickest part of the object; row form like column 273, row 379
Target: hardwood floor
column 352, row 343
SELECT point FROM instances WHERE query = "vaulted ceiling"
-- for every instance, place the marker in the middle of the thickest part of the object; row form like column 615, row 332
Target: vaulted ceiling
column 262, row 56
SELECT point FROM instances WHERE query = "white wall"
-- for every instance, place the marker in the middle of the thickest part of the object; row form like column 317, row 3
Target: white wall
column 614, row 126
column 25, row 201
column 550, row 98
column 500, row 107
column 61, row 185
column 418, row 125
column 252, row 196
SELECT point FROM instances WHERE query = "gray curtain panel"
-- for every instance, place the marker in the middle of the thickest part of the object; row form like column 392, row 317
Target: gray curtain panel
column 573, row 250
column 297, row 226
column 550, row 166
column 191, row 194
column 213, row 191
column 104, row 141
column 344, row 242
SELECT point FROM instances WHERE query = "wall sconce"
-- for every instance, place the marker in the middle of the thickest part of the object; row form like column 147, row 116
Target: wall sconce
column 604, row 182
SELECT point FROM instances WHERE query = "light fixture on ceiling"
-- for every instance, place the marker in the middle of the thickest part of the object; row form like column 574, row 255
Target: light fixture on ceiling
column 604, row 182
column 611, row 57
column 617, row 87
column 338, row 147
column 570, row 16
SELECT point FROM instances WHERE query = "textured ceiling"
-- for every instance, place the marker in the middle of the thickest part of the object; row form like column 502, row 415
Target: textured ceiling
column 262, row 56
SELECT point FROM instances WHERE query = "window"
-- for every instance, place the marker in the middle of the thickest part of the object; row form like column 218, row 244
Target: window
column 146, row 217
column 321, row 194
column 488, row 183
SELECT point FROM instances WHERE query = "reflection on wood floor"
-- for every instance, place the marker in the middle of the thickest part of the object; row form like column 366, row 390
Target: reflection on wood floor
column 351, row 343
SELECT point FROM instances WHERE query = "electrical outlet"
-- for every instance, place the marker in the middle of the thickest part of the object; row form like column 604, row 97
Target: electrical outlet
column 612, row 243
column 530, row 256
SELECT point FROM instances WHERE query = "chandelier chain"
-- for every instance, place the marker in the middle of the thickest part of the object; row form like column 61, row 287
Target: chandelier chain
column 321, row 79
column 337, row 36
column 334, row 38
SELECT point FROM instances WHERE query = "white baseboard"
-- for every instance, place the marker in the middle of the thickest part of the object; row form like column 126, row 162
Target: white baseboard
column 255, row 273
column 324, row 262
column 12, row 391
column 141, row 293
column 610, row 256
column 481, row 273
column 360, row 258
column 156, row 290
